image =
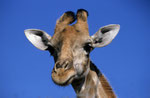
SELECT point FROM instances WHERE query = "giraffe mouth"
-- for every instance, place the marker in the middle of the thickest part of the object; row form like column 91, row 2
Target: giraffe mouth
column 63, row 77
column 68, row 81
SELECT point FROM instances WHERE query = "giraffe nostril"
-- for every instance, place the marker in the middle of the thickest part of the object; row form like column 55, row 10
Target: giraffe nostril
column 64, row 64
column 58, row 66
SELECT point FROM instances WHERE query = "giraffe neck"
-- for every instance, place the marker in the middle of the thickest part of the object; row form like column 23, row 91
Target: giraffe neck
column 89, row 87
column 94, row 85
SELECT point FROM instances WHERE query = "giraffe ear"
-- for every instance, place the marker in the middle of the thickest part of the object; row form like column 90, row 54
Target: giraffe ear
column 38, row 38
column 105, row 35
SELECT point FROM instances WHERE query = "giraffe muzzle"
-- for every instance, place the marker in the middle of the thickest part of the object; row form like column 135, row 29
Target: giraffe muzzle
column 65, row 64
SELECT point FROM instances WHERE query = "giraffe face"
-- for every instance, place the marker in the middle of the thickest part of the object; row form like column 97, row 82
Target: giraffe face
column 71, row 55
column 71, row 45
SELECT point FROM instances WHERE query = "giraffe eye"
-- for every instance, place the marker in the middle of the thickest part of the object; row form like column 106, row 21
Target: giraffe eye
column 88, row 47
column 51, row 50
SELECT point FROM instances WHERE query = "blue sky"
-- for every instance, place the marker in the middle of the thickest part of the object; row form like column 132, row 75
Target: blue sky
column 25, row 72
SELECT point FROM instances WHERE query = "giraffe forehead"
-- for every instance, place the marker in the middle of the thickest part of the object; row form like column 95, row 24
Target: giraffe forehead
column 71, row 32
column 70, row 35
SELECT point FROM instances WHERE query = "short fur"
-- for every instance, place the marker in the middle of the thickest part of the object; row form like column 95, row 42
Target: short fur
column 70, row 46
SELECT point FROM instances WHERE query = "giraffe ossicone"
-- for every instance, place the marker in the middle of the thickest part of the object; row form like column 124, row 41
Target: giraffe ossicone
column 71, row 46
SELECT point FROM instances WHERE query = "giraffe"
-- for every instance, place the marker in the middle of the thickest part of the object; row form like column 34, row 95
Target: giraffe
column 71, row 46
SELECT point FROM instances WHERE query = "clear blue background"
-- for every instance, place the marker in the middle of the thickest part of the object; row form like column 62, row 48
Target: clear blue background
column 25, row 72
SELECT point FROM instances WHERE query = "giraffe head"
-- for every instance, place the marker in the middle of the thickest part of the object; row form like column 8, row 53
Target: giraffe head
column 71, row 45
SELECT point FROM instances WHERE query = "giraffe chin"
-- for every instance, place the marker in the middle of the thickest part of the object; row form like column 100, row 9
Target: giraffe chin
column 63, row 77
